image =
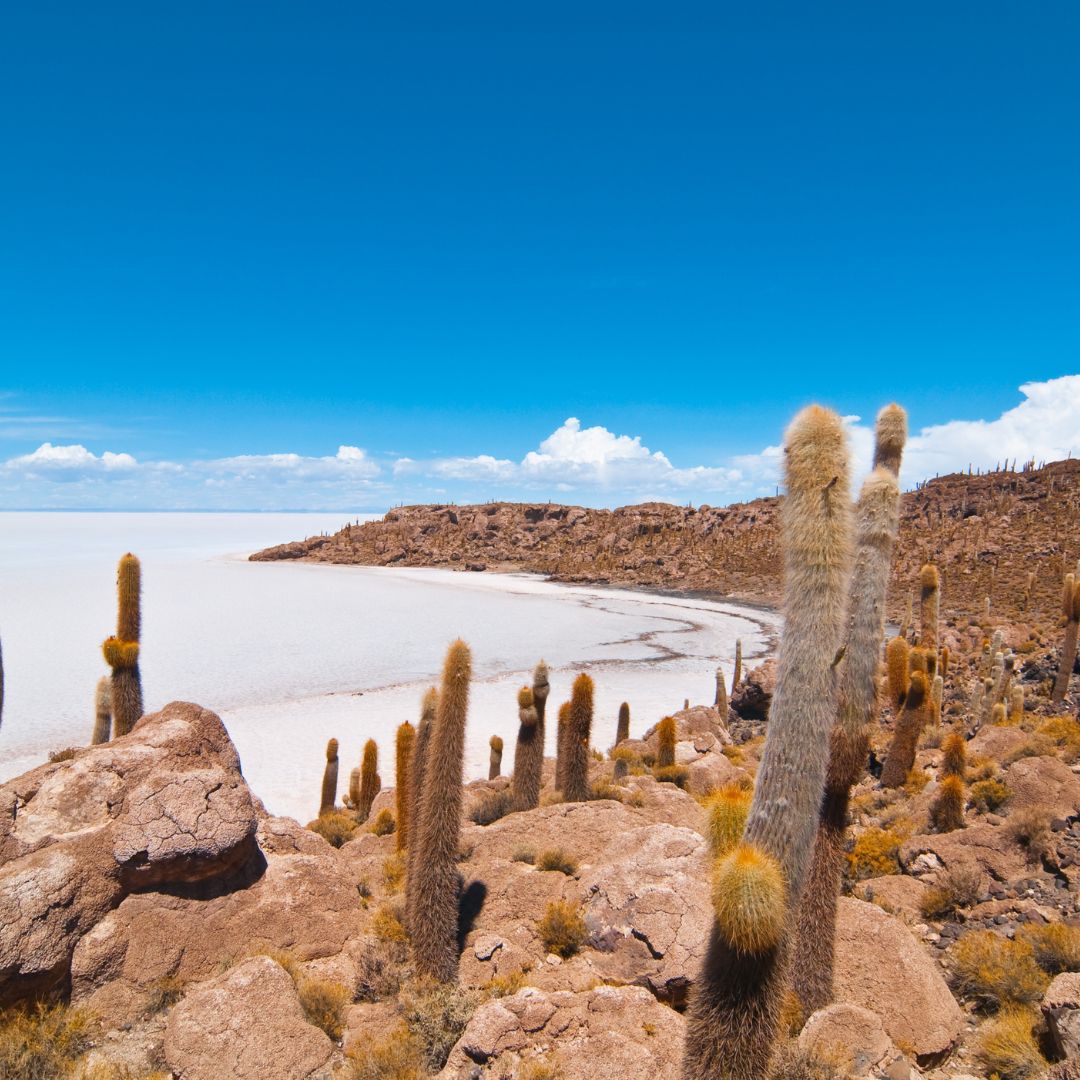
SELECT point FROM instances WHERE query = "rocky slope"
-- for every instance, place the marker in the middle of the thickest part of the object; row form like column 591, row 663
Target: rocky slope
column 145, row 883
column 985, row 533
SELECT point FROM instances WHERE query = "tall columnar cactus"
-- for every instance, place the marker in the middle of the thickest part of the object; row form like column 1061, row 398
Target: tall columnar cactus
column 720, row 701
column 435, row 917
column 1016, row 704
column 121, row 651
column 937, row 693
column 102, row 711
column 328, row 798
column 528, row 753
column 905, row 740
column 370, row 781
column 417, row 776
column 929, row 606
column 877, row 522
column 947, row 809
column 890, row 437
column 954, row 755
column 404, row 744
column 897, row 665
column 561, row 746
column 665, row 740
column 495, row 745
column 736, row 1002
column 1070, row 603
column 354, row 788
column 622, row 733
column 578, row 730
column 736, row 674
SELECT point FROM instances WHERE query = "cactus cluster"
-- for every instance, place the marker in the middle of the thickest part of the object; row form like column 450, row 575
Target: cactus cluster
column 947, row 809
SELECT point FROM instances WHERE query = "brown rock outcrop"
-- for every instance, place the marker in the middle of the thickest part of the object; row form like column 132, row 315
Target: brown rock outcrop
column 1061, row 1007
column 247, row 1025
column 165, row 804
column 608, row 1032
column 881, row 967
column 852, row 1032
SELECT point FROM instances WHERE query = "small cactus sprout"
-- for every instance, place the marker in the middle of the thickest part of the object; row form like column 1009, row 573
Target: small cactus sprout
column 370, row 782
column 896, row 664
column 1070, row 603
column 665, row 733
column 578, row 730
column 947, row 809
column 622, row 733
column 434, row 919
column 495, row 744
column 404, row 745
column 954, row 755
column 736, row 674
column 929, row 604
column 330, row 778
column 417, row 773
column 1016, row 703
column 102, row 711
column 561, row 746
column 122, row 650
column 727, row 809
column 736, row 1002
column 905, row 740
column 720, row 701
column 750, row 900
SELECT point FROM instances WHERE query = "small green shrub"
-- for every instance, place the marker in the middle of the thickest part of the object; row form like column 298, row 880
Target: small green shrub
column 556, row 859
column 562, row 929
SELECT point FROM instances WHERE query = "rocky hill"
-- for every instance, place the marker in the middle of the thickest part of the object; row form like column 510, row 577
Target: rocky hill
column 985, row 533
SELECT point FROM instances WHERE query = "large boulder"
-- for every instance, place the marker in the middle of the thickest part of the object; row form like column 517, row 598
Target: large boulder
column 1043, row 781
column 1061, row 1007
column 853, row 1033
column 303, row 900
column 881, row 967
column 612, row 1031
column 983, row 847
column 249, row 1025
column 164, row 805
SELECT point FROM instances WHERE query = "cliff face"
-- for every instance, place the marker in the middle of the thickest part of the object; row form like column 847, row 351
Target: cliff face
column 986, row 533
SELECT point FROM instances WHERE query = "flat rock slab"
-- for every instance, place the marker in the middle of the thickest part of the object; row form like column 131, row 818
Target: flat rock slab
column 247, row 1025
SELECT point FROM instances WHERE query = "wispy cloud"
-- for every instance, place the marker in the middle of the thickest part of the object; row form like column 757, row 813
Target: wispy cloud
column 574, row 463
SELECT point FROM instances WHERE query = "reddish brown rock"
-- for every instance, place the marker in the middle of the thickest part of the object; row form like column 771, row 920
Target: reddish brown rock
column 163, row 804
column 247, row 1025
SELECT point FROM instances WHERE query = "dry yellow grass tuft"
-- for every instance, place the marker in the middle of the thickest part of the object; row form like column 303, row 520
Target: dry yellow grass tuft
column 43, row 1043
column 562, row 929
column 995, row 971
column 1056, row 946
column 876, row 852
column 1006, row 1046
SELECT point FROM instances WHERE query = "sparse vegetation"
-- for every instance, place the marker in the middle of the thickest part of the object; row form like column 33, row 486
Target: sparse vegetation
column 336, row 827
column 383, row 825
column 562, row 929
column 1030, row 827
column 436, row 1014
column 672, row 774
column 995, row 971
column 1056, row 946
column 557, row 859
column 876, row 852
column 988, row 795
column 397, row 1056
column 43, row 1043
column 1007, row 1048
column 957, row 887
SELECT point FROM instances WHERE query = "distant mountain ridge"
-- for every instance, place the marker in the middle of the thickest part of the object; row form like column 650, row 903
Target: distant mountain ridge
column 986, row 534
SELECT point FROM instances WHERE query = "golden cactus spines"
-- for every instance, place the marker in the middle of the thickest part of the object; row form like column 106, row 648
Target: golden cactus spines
column 129, row 591
column 943, row 661
column 750, row 899
column 937, row 694
column 947, row 809
column 328, row 797
column 905, row 740
column 897, row 665
column 578, row 731
column 890, row 437
column 954, row 755
column 370, row 781
column 998, row 715
column 120, row 655
column 918, row 660
column 727, row 809
column 929, row 605
column 404, row 745
column 434, row 919
column 665, row 736
column 561, row 746
column 736, row 1001
column 495, row 745
column 529, row 749
column 102, row 711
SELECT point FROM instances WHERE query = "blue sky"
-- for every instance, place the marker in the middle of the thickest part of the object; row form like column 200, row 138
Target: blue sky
column 238, row 237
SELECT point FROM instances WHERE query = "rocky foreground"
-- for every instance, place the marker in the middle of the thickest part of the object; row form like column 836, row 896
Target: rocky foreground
column 142, row 881
column 984, row 533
